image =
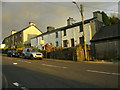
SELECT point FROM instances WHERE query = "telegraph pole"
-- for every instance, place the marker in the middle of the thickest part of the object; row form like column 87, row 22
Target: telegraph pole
column 85, row 49
column 81, row 12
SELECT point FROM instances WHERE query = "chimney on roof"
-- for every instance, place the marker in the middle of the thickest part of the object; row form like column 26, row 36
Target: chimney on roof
column 98, row 15
column 32, row 24
column 50, row 28
column 13, row 32
column 70, row 21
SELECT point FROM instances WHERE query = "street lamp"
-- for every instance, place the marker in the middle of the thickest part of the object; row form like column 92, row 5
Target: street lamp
column 81, row 12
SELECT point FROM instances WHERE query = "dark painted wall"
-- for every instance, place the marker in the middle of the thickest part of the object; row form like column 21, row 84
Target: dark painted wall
column 108, row 49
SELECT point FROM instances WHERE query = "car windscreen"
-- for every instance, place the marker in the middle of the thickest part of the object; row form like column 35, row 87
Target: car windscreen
column 34, row 50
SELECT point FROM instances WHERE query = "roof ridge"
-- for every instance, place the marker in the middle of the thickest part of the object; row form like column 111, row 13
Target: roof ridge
column 66, row 27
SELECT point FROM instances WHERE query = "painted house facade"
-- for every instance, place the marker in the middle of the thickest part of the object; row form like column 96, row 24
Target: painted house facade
column 22, row 36
column 68, row 36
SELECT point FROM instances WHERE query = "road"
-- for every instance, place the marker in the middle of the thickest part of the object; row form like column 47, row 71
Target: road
column 26, row 74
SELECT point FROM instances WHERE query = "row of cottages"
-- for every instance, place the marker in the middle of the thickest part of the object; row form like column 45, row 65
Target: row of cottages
column 22, row 36
column 105, row 44
column 70, row 35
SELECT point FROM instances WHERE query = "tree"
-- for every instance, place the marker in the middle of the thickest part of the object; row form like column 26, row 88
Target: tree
column 114, row 20
column 105, row 18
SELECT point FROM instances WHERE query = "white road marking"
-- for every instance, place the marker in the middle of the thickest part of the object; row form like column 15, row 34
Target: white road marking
column 16, row 84
column 23, row 61
column 103, row 72
column 20, row 86
column 15, row 63
column 27, row 62
column 53, row 66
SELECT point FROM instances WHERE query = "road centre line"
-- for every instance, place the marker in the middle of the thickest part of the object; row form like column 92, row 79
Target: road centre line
column 15, row 63
column 18, row 60
column 53, row 66
column 23, row 61
column 103, row 72
column 20, row 86
column 27, row 62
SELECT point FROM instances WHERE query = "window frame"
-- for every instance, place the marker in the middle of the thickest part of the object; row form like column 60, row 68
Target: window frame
column 57, row 44
column 81, row 28
column 64, row 32
column 56, row 34
column 81, row 40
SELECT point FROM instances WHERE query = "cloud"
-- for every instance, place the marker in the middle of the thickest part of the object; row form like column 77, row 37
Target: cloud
column 17, row 15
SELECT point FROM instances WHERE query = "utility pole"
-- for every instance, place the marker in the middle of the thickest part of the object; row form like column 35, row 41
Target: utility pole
column 85, row 49
column 81, row 12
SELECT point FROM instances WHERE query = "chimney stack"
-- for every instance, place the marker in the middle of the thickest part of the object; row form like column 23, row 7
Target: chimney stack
column 13, row 32
column 70, row 21
column 98, row 15
column 32, row 24
column 50, row 28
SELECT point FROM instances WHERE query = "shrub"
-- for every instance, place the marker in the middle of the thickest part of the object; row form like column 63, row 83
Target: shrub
column 20, row 45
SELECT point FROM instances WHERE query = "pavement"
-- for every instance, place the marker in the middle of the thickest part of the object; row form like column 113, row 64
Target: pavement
column 70, row 61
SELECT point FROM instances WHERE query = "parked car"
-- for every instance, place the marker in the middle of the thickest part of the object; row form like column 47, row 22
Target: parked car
column 4, row 51
column 11, row 52
column 31, row 53
column 18, row 53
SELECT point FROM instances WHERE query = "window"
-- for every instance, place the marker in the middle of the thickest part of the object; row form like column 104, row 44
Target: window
column 15, row 36
column 42, row 37
column 28, row 50
column 56, row 43
column 56, row 34
column 81, row 40
column 72, row 42
column 65, row 43
column 64, row 31
column 50, row 43
column 20, row 35
column 81, row 28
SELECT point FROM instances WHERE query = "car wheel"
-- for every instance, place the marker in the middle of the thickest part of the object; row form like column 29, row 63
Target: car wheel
column 10, row 55
column 31, row 57
column 40, row 58
column 23, row 56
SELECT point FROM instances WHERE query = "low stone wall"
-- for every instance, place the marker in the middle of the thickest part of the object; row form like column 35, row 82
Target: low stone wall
column 64, row 54
column 71, row 53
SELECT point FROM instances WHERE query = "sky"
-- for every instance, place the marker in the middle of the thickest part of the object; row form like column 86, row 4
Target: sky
column 17, row 15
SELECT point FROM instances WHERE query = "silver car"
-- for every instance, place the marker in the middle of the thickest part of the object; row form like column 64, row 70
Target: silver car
column 31, row 53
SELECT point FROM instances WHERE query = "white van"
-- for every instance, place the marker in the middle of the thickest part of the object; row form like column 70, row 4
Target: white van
column 31, row 53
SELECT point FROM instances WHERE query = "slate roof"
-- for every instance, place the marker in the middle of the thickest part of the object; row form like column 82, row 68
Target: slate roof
column 21, row 31
column 107, row 32
column 66, row 27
